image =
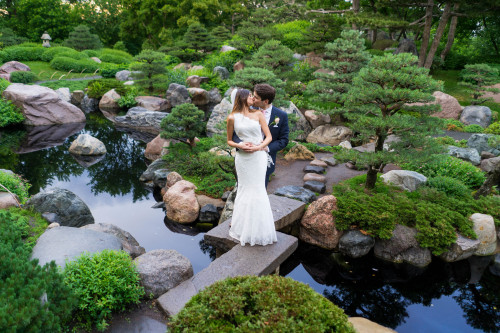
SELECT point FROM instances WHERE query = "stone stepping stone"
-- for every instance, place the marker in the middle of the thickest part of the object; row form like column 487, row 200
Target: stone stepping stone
column 297, row 193
column 329, row 160
column 314, row 177
column 315, row 186
column 319, row 163
column 314, row 169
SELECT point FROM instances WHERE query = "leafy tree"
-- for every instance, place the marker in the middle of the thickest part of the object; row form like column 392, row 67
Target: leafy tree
column 273, row 56
column 198, row 38
column 148, row 69
column 377, row 105
column 81, row 39
column 250, row 37
column 220, row 35
column 324, row 29
column 292, row 32
column 185, row 123
column 345, row 57
column 476, row 78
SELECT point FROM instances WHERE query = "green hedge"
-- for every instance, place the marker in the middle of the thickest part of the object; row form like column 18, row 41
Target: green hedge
column 260, row 304
column 22, row 53
column 78, row 66
column 53, row 52
column 23, row 77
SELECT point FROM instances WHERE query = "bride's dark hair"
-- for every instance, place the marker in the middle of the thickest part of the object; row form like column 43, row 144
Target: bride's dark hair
column 240, row 101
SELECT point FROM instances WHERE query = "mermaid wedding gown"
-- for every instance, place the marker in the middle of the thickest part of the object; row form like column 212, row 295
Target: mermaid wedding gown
column 252, row 220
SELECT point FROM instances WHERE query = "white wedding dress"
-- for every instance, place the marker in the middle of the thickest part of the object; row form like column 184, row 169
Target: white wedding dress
column 252, row 222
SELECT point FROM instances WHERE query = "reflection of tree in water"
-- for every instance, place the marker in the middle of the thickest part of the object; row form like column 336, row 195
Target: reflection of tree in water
column 9, row 142
column 208, row 249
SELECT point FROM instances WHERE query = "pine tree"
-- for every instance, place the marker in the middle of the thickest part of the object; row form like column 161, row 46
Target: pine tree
column 476, row 78
column 198, row 38
column 273, row 56
column 377, row 105
column 148, row 69
column 81, row 39
column 345, row 57
column 324, row 29
column 220, row 35
column 184, row 123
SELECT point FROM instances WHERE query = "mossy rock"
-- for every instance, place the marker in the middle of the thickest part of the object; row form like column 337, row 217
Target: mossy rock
column 260, row 304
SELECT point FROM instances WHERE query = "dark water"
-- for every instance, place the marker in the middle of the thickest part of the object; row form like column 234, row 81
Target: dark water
column 458, row 297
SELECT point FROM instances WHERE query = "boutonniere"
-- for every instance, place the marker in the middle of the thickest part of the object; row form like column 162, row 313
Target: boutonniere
column 275, row 122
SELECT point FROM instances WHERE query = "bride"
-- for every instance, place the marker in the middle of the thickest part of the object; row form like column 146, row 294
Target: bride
column 252, row 220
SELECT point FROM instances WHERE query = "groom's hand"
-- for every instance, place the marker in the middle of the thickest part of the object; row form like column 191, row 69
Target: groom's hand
column 247, row 147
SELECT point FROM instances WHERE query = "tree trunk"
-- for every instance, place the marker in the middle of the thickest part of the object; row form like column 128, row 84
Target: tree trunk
column 493, row 178
column 371, row 177
column 451, row 32
column 355, row 10
column 427, row 33
column 439, row 33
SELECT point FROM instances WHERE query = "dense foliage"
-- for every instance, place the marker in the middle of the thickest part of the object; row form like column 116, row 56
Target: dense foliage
column 478, row 79
column 9, row 113
column 82, row 39
column 15, row 184
column 260, row 304
column 185, row 123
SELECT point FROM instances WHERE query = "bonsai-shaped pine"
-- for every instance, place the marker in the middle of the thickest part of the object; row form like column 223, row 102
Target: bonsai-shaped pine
column 198, row 38
column 273, row 56
column 377, row 105
column 476, row 78
column 220, row 35
column 345, row 57
column 148, row 69
column 184, row 123
column 81, row 39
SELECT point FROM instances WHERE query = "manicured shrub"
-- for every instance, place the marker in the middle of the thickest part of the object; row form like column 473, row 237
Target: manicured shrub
column 103, row 282
column 185, row 122
column 109, row 70
column 15, row 184
column 473, row 129
column 81, row 39
column 23, row 53
column 260, row 304
column 274, row 56
column 91, row 53
column 53, row 52
column 115, row 59
column 128, row 100
column 73, row 54
column 9, row 113
column 77, row 66
column 120, row 46
column 97, row 88
column 494, row 128
column 23, row 77
column 448, row 140
column 450, row 186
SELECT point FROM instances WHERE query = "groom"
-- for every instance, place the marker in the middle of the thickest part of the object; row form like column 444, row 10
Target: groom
column 263, row 97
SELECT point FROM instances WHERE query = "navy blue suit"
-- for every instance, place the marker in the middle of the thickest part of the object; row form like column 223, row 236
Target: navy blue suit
column 279, row 131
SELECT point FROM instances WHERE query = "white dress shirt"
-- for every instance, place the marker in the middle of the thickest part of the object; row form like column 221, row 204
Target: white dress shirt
column 267, row 113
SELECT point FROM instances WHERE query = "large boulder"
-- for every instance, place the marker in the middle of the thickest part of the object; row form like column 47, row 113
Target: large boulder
column 85, row 144
column 123, row 75
column 199, row 96
column 317, row 226
column 129, row 243
column 77, row 97
column 329, row 135
column 463, row 248
column 177, row 94
column 142, row 119
column 227, row 48
column 214, row 96
column 89, row 104
column 490, row 164
column 218, row 115
column 109, row 104
column 301, row 124
column 194, row 81
column 484, row 227
column 152, row 103
column 466, row 154
column 66, row 243
column 404, row 179
column 299, row 152
column 69, row 208
column 402, row 247
column 14, row 66
column 64, row 94
column 476, row 114
column 480, row 143
column 355, row 244
column 222, row 72
column 8, row 200
column 450, row 108
column 42, row 105
column 238, row 66
column 227, row 212
column 406, row 45
column 317, row 119
column 148, row 176
column 156, row 148
column 162, row 270
column 180, row 202
column 297, row 193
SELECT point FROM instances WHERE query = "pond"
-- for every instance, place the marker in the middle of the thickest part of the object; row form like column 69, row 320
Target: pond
column 443, row 297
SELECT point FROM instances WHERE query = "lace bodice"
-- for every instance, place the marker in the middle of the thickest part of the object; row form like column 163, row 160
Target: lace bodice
column 247, row 129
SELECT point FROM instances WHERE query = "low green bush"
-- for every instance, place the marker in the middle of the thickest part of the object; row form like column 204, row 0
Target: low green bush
column 91, row 53
column 473, row 129
column 115, row 53
column 376, row 53
column 450, row 186
column 109, row 70
column 225, row 59
column 448, row 140
column 97, row 88
column 9, row 113
column 23, row 53
column 23, row 77
column 3, row 85
column 494, row 128
column 72, row 85
column 52, row 52
column 128, row 100
column 77, row 66
column 104, row 282
column 453, row 125
column 259, row 304
column 15, row 184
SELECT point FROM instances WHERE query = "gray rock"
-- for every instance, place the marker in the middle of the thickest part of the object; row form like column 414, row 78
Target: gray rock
column 51, row 218
column 329, row 160
column 480, row 143
column 89, row 104
column 402, row 247
column 218, row 115
column 463, row 248
column 314, row 169
column 86, row 144
column 70, row 209
column 129, row 243
column 301, row 125
column 299, row 57
column 476, row 114
column 209, row 214
column 148, row 175
column 222, row 72
column 484, row 227
column 355, row 244
column 64, row 94
column 297, row 193
column 142, row 119
column 123, row 75
column 315, row 186
column 9, row 172
column 227, row 48
column 77, row 97
column 177, row 94
column 225, row 195
column 404, row 179
column 160, row 177
column 466, row 154
column 214, row 96
column 406, row 46
column 490, row 164
column 227, row 212
column 495, row 267
column 162, row 270
column 66, row 243
column 486, row 155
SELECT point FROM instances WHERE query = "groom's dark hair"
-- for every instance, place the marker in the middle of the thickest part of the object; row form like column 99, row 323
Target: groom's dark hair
column 265, row 91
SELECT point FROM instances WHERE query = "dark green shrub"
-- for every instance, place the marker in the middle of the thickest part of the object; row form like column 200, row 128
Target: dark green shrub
column 97, row 88
column 185, row 122
column 453, row 125
column 120, row 46
column 473, row 128
column 9, row 113
column 455, row 60
column 15, row 184
column 81, row 39
column 450, row 186
column 147, row 69
column 489, row 205
column 3, row 85
column 9, row 38
column 103, row 282
column 494, row 128
column 109, row 70
column 376, row 53
column 274, row 56
column 91, row 53
column 106, row 57
column 260, row 304
column 23, row 53
column 448, row 140
column 128, row 100
column 53, row 52
column 24, row 284
column 186, row 55
column 23, row 77
column 382, row 44
column 225, row 59
column 77, row 66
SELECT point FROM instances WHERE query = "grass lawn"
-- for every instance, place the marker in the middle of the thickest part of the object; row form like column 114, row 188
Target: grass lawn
column 72, row 85
column 45, row 72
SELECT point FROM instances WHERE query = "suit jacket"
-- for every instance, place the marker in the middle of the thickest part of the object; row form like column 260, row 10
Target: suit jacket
column 279, row 131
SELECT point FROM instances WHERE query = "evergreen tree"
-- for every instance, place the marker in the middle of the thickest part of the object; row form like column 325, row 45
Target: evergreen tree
column 250, row 37
column 345, row 57
column 81, row 39
column 184, row 123
column 476, row 78
column 220, row 35
column 148, row 69
column 377, row 105
column 198, row 38
column 273, row 56
column 324, row 29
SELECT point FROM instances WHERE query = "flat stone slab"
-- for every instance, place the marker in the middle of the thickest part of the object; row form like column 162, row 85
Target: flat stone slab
column 241, row 260
column 285, row 212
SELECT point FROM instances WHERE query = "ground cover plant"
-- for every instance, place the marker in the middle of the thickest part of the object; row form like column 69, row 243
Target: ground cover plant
column 15, row 184
column 260, row 304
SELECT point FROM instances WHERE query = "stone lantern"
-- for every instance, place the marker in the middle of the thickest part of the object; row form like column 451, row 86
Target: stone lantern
column 46, row 38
